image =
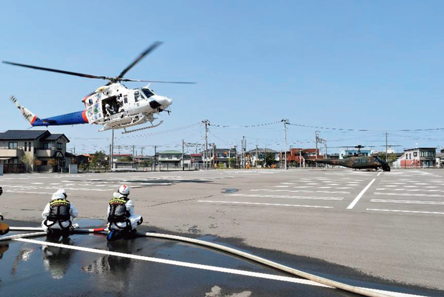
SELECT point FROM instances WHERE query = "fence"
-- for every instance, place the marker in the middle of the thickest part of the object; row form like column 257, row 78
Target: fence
column 13, row 168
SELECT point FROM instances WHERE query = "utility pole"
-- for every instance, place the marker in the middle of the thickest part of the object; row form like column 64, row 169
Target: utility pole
column 257, row 156
column 214, row 155
column 206, row 122
column 386, row 147
column 183, row 160
column 285, row 121
column 155, row 158
column 235, row 156
column 229, row 157
column 112, row 150
column 317, row 137
column 244, row 148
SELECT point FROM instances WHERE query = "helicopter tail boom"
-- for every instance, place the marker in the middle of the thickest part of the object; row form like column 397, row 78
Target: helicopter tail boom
column 73, row 118
column 27, row 114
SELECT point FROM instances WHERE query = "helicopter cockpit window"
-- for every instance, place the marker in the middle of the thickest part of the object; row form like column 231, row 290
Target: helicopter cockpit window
column 147, row 93
column 136, row 96
column 90, row 101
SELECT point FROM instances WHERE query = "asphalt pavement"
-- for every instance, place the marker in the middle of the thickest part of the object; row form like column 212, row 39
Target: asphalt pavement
column 369, row 229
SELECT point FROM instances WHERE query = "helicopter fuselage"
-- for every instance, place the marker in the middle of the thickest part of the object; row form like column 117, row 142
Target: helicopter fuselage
column 114, row 106
column 361, row 162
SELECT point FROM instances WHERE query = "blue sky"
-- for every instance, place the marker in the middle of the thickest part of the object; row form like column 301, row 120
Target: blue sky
column 375, row 65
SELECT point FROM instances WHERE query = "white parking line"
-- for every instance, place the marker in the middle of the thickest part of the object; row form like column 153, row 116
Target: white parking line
column 407, row 201
column 284, row 196
column 407, row 211
column 360, row 195
column 202, row 266
column 379, row 173
column 409, row 194
column 299, row 191
column 178, row 263
column 267, row 204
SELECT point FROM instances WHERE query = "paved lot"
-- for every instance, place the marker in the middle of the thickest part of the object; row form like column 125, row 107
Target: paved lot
column 372, row 229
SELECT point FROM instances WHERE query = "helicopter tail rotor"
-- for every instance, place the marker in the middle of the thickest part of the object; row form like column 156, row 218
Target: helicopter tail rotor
column 27, row 114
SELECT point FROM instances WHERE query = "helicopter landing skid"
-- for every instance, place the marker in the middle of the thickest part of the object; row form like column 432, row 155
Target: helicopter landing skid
column 135, row 130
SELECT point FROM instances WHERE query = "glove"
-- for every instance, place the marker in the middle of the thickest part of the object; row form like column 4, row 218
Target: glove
column 140, row 221
column 1, row 217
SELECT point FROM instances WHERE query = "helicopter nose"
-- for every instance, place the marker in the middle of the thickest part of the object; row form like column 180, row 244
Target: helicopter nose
column 164, row 102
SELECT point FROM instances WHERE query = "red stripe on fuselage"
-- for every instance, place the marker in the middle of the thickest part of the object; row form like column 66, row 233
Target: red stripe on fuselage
column 85, row 118
column 33, row 120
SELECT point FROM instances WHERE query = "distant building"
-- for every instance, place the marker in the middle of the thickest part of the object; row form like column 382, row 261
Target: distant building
column 118, row 157
column 423, row 157
column 218, row 155
column 172, row 158
column 41, row 146
column 302, row 156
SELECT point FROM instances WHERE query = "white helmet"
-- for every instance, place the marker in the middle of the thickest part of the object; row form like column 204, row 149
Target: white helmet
column 124, row 190
column 58, row 195
column 63, row 192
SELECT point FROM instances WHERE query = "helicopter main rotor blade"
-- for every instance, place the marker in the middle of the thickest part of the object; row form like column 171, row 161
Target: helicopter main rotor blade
column 156, row 81
column 140, row 57
column 58, row 71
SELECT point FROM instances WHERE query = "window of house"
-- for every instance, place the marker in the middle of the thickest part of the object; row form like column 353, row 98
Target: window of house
column 29, row 146
column 59, row 145
column 12, row 145
column 26, row 146
column 415, row 154
column 44, row 162
column 47, row 146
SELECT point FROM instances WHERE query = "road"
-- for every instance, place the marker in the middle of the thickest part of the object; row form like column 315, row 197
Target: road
column 370, row 229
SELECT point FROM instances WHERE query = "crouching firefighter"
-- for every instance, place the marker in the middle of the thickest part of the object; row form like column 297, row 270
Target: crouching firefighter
column 58, row 214
column 121, row 216
column 4, row 228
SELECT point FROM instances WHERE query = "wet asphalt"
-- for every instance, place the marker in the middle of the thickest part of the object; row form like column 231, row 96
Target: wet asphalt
column 27, row 269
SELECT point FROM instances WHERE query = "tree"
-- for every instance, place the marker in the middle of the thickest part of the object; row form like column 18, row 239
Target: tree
column 232, row 162
column 98, row 159
column 53, row 163
column 27, row 160
column 269, row 159
column 125, row 159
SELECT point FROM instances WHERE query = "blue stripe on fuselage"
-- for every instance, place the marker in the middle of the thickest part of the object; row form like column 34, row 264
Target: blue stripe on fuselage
column 64, row 119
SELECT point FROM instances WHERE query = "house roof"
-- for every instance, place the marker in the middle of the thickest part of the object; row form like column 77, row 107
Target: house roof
column 23, row 134
column 30, row 135
column 54, row 137
column 420, row 148
column 170, row 152
column 262, row 150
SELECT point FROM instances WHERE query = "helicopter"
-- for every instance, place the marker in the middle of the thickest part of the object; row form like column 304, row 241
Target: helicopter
column 358, row 161
column 114, row 106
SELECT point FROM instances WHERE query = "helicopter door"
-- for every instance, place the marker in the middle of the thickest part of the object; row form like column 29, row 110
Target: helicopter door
column 133, row 101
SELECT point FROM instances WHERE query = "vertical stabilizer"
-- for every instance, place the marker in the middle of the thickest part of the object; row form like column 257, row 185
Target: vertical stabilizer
column 28, row 115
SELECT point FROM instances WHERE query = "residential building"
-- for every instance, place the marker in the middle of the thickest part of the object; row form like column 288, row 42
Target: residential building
column 301, row 156
column 422, row 157
column 172, row 158
column 40, row 146
column 218, row 155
